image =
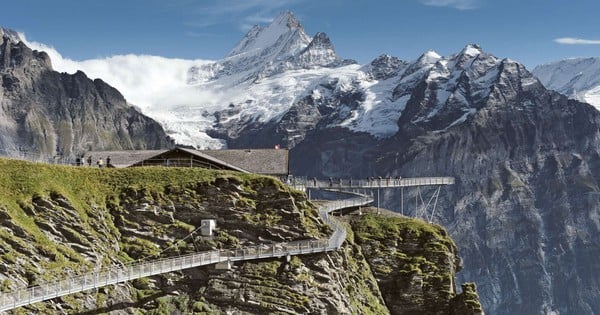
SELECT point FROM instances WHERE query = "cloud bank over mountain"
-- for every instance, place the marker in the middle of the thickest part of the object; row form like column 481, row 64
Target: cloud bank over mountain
column 149, row 82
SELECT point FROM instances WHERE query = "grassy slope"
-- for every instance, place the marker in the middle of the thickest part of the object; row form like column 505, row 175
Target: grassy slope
column 89, row 191
column 86, row 188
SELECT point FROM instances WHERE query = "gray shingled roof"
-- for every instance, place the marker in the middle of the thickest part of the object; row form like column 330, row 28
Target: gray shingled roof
column 212, row 159
column 261, row 161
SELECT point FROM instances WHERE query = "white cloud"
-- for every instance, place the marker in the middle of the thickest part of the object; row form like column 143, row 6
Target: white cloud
column 150, row 82
column 457, row 4
column 576, row 41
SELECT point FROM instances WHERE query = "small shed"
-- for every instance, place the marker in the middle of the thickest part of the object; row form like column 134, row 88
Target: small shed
column 207, row 227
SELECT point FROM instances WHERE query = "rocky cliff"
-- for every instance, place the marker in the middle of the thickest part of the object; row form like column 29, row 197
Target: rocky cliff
column 45, row 114
column 58, row 221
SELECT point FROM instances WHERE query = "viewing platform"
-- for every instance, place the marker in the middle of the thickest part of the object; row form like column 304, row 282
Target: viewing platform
column 302, row 183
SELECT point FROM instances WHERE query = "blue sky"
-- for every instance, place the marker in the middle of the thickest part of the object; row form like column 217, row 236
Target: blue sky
column 529, row 31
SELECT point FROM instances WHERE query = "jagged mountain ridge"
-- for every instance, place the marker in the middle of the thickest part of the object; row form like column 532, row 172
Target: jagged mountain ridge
column 47, row 114
column 578, row 78
column 373, row 99
column 265, row 51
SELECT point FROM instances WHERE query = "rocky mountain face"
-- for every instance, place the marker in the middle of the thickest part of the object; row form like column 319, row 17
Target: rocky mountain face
column 578, row 78
column 525, row 206
column 45, row 113
column 388, row 266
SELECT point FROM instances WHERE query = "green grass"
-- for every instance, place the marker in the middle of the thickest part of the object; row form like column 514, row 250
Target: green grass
column 382, row 228
column 84, row 186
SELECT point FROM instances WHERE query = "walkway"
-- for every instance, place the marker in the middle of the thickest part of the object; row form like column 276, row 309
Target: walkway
column 349, row 183
column 124, row 273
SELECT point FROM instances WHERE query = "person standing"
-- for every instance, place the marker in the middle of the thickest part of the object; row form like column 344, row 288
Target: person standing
column 100, row 163
column 89, row 160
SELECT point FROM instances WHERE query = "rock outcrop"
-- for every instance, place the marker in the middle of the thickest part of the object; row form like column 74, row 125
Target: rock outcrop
column 414, row 264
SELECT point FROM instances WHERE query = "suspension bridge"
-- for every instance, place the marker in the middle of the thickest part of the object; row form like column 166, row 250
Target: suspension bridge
column 127, row 272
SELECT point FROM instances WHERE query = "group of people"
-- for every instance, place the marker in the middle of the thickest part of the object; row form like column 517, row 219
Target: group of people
column 82, row 160
column 379, row 181
column 371, row 181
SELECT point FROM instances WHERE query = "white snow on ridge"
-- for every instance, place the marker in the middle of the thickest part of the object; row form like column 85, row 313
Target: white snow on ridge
column 463, row 118
column 378, row 114
column 578, row 78
column 592, row 96
column 471, row 50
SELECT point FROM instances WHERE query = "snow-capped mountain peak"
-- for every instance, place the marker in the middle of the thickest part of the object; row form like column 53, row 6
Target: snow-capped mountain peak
column 266, row 51
column 384, row 67
column 429, row 57
column 319, row 52
column 284, row 32
column 471, row 50
column 280, row 77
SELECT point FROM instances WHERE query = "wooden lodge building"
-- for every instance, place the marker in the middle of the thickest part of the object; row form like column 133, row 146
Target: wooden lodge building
column 259, row 161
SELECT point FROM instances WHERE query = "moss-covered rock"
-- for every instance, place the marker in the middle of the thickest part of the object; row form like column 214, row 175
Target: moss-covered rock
column 467, row 302
column 414, row 262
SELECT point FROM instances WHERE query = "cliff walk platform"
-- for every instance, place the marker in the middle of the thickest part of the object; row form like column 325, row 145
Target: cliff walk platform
column 348, row 184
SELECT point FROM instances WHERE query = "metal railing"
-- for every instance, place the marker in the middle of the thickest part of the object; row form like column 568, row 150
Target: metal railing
column 117, row 274
column 378, row 182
